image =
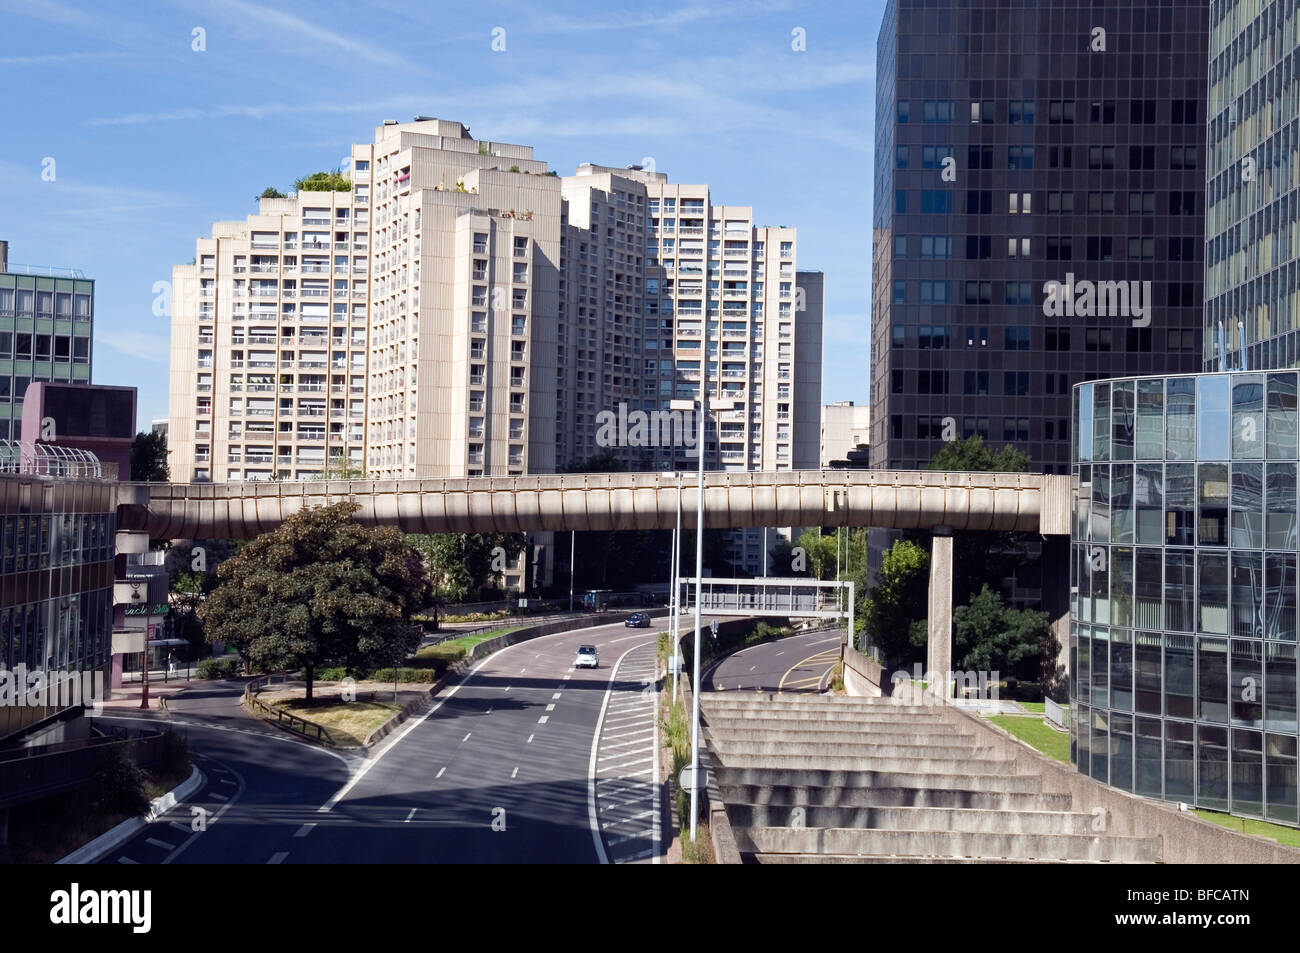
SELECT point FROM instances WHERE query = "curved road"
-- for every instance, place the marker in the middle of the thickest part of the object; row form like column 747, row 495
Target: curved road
column 797, row 663
column 525, row 759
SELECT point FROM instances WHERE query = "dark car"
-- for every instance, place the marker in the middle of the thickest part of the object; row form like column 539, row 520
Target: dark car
column 637, row 620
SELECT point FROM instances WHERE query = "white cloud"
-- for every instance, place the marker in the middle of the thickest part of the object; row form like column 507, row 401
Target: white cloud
column 154, row 348
column 56, row 58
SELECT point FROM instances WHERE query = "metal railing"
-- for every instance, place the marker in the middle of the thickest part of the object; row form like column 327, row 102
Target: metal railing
column 295, row 723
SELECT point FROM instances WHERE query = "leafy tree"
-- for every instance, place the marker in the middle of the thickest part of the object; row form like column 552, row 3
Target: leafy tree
column 333, row 181
column 823, row 559
column 186, row 598
column 320, row 590
column 149, row 458
column 462, row 564
column 973, row 454
column 271, row 192
column 893, row 613
column 342, row 468
column 992, row 637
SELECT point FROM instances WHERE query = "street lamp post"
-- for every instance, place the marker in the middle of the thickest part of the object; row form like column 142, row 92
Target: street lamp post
column 573, row 538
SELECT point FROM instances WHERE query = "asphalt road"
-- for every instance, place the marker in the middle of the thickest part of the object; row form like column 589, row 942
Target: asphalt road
column 799, row 663
column 525, row 760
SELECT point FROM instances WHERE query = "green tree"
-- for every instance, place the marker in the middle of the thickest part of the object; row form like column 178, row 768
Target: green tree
column 320, row 590
column 973, row 454
column 461, row 565
column 271, row 192
column 332, row 181
column 342, row 468
column 990, row 636
column 893, row 613
column 149, row 458
column 821, row 553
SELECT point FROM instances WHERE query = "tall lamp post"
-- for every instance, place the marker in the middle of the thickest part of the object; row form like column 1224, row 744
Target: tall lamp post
column 675, row 569
column 697, row 684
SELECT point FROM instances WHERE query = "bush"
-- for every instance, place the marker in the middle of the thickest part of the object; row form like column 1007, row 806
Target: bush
column 421, row 675
column 335, row 674
column 226, row 667
column 117, row 786
column 175, row 755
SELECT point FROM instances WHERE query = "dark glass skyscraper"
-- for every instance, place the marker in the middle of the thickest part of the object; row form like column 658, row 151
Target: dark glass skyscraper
column 1039, row 214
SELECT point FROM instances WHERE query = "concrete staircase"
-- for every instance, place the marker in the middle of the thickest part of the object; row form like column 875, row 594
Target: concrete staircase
column 816, row 779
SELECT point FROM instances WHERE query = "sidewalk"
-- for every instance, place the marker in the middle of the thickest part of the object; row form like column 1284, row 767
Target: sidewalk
column 129, row 695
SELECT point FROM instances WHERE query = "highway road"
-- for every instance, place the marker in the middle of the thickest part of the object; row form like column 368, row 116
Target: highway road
column 799, row 663
column 524, row 760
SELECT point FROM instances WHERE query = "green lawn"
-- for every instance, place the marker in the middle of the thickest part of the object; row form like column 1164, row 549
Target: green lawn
column 1286, row 836
column 1033, row 706
column 1053, row 743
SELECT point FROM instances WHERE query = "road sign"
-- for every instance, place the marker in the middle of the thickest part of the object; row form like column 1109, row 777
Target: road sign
column 713, row 627
column 684, row 779
column 674, row 664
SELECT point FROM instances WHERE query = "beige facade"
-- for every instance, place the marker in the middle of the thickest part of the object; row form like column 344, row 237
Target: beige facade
column 463, row 312
column 845, row 425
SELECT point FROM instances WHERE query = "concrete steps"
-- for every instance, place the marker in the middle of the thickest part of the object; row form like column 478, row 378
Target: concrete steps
column 811, row 779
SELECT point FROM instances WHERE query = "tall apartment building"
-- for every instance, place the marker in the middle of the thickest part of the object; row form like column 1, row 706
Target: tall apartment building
column 46, row 320
column 464, row 312
column 1018, row 145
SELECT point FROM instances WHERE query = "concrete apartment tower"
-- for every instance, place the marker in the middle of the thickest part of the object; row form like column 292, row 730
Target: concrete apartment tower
column 463, row 312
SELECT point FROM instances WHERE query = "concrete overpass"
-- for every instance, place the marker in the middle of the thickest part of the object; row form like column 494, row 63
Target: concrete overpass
column 936, row 501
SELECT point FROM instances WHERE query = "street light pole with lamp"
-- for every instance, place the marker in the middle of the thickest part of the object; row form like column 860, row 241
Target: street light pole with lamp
column 697, row 684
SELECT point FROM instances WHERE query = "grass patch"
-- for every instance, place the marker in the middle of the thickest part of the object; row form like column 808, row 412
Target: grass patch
column 700, row 850
column 1049, row 741
column 347, row 722
column 1286, row 836
column 1039, row 707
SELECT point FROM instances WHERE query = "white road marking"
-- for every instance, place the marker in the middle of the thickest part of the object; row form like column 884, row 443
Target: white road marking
column 466, row 738
column 567, row 677
column 304, row 830
column 220, row 797
column 530, row 740
column 278, row 858
column 159, row 843
column 551, row 707
column 225, row 781
column 544, row 719
column 409, row 816
column 515, row 772
column 126, row 860
column 556, row 695
column 439, row 774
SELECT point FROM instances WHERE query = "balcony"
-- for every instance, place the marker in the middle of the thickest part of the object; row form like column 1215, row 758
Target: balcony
column 264, row 269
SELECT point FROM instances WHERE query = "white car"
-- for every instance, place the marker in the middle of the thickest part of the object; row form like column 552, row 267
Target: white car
column 587, row 657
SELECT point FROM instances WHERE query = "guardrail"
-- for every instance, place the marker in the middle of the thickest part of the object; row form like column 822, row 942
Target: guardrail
column 285, row 719
column 1058, row 715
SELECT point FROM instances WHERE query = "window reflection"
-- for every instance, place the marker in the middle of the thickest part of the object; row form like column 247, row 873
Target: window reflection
column 1212, row 417
column 1148, row 496
column 1122, row 419
column 1282, row 416
column 1280, row 499
column 1247, row 505
column 1150, row 420
column 1213, row 493
column 1180, row 418
column 1247, row 417
column 1280, row 778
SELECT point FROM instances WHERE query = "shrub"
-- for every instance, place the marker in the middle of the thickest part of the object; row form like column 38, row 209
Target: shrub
column 335, row 674
column 226, row 667
column 175, row 755
column 421, row 675
column 117, row 786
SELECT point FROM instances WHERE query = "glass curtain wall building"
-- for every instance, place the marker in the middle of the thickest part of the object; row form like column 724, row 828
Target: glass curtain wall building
column 1184, row 589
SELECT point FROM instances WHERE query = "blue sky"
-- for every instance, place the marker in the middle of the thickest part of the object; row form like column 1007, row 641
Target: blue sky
column 152, row 141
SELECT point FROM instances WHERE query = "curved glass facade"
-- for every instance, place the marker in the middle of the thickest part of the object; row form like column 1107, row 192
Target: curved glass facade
column 1183, row 579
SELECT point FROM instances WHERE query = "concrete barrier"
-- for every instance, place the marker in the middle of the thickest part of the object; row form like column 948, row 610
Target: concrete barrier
column 862, row 674
column 116, row 836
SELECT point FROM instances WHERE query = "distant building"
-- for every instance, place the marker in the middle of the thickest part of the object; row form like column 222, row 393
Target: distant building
column 88, row 417
column 46, row 318
column 160, row 426
column 846, row 427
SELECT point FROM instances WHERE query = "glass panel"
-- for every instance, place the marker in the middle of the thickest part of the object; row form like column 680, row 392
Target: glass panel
column 1121, row 586
column 1180, row 768
column 1280, row 596
column 1083, row 680
column 1100, row 666
column 1083, row 430
column 1121, row 502
column 1101, row 424
column 1280, row 778
column 1279, row 687
column 1280, row 497
column 1146, row 672
column 1122, row 420
column 1282, row 416
column 1180, row 587
column 1121, row 752
column 1247, row 417
column 1148, row 495
column 1247, row 505
column 1180, row 418
column 1247, row 772
column 1212, row 417
column 1212, row 767
column 1146, row 754
column 1100, row 584
column 1247, row 681
column 1100, row 521
column 1121, row 671
column 1212, row 679
column 1247, row 595
column 1212, row 593
column 1180, row 504
column 1151, row 420
column 1100, row 746
column 1213, row 498
column 1083, row 723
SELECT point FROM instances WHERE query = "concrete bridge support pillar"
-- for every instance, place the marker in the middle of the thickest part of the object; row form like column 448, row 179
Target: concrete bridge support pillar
column 938, row 646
